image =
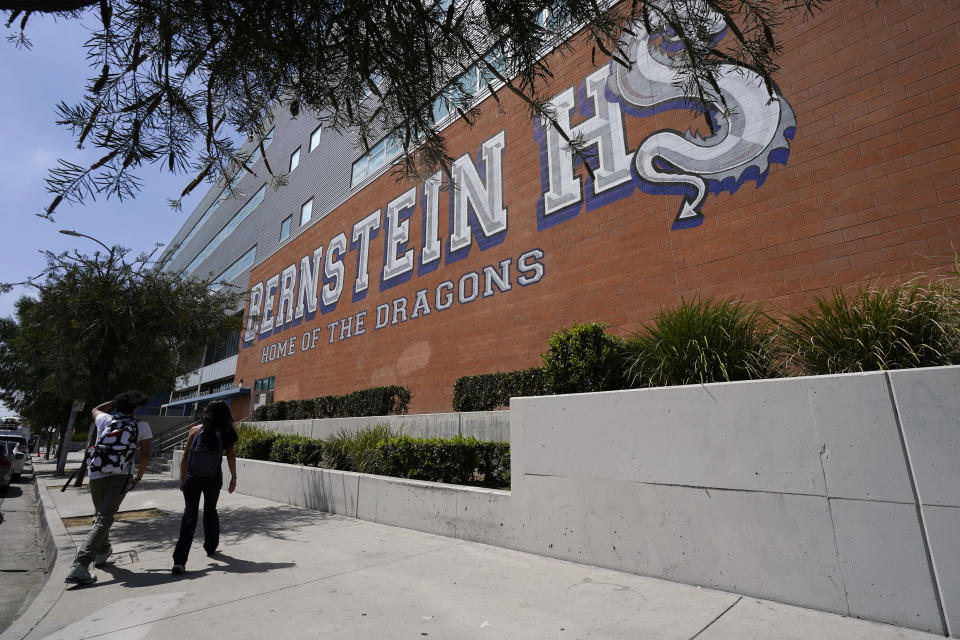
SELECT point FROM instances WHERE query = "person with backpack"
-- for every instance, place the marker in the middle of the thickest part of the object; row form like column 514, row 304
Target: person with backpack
column 110, row 463
column 201, row 474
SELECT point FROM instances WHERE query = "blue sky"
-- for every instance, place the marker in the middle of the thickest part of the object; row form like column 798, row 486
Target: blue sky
column 34, row 81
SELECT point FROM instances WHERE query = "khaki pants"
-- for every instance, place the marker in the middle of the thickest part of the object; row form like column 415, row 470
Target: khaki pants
column 107, row 494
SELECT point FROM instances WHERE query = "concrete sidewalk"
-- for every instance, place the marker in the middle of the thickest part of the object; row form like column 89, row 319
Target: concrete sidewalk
column 287, row 572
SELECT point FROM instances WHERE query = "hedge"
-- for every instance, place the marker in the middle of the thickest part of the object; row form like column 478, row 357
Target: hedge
column 489, row 391
column 455, row 460
column 376, row 401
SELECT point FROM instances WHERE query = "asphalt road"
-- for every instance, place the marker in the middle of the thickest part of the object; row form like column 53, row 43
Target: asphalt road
column 22, row 566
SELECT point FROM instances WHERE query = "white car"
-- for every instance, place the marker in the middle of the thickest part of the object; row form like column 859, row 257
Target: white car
column 21, row 454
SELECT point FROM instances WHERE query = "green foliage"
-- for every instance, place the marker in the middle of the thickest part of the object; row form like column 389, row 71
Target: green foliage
column 912, row 325
column 255, row 444
column 376, row 401
column 489, row 391
column 584, row 359
column 102, row 324
column 79, row 436
column 295, row 449
column 167, row 75
column 702, row 341
column 456, row 460
column 495, row 464
column 376, row 449
column 356, row 450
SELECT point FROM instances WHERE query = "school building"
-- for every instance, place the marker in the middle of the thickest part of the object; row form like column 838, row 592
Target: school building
column 847, row 175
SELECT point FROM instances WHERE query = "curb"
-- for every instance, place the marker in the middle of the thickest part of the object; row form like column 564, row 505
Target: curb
column 59, row 549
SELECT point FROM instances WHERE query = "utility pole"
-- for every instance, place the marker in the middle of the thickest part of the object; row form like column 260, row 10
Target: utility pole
column 68, row 437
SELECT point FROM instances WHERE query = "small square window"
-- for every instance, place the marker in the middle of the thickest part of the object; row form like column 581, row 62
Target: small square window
column 306, row 211
column 314, row 138
column 285, row 229
column 294, row 159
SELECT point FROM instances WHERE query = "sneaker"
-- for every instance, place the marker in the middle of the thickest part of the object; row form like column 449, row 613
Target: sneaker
column 79, row 575
column 178, row 569
column 102, row 557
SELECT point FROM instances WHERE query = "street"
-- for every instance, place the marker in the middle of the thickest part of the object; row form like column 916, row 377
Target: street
column 22, row 565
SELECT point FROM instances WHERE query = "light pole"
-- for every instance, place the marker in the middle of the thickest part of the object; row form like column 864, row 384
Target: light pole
column 77, row 404
column 77, row 234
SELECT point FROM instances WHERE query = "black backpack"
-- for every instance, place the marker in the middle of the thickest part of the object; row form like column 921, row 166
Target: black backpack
column 113, row 451
column 204, row 461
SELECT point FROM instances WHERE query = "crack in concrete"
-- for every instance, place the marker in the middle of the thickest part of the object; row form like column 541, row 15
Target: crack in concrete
column 766, row 491
column 712, row 622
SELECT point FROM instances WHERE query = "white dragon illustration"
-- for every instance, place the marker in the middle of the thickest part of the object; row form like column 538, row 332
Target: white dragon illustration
column 751, row 132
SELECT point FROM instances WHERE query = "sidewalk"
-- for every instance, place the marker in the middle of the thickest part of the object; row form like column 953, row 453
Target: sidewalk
column 286, row 572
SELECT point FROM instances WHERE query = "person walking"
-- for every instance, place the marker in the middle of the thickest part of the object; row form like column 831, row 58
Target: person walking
column 201, row 474
column 110, row 462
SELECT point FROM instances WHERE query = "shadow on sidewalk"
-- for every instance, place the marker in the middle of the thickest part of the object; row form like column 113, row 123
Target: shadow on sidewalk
column 222, row 563
column 237, row 525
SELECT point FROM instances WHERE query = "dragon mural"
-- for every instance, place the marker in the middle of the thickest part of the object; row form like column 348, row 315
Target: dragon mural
column 748, row 135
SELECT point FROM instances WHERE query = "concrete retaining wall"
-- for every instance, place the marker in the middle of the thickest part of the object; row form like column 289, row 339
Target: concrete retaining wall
column 489, row 426
column 839, row 493
column 468, row 513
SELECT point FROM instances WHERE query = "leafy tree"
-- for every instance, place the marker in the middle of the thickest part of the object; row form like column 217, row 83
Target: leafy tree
column 101, row 324
column 174, row 77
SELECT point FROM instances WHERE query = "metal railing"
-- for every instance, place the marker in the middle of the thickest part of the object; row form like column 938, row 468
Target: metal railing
column 161, row 450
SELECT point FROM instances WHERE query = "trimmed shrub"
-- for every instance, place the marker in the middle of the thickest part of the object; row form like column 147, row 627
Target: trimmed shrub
column 295, row 449
column 255, row 444
column 377, row 401
column 495, row 464
column 584, row 359
column 912, row 325
column 376, row 450
column 488, row 391
column 300, row 409
column 311, row 453
column 455, row 460
column 702, row 341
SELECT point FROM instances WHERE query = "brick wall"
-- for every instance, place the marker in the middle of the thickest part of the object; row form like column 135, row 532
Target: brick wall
column 869, row 192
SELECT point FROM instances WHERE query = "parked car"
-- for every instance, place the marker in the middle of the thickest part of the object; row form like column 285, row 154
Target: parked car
column 6, row 464
column 21, row 455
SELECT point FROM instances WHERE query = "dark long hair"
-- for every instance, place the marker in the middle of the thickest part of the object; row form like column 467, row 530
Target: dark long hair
column 216, row 420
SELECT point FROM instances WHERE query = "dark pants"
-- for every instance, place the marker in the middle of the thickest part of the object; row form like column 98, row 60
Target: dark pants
column 193, row 488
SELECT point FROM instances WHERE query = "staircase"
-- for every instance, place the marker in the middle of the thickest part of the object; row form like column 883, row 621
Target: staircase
column 161, row 450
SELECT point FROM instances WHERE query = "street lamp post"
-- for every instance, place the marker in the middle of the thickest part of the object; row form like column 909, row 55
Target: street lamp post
column 77, row 234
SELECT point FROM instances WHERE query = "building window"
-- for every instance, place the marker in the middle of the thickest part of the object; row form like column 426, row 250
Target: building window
column 285, row 228
column 254, row 158
column 227, row 230
column 314, row 138
column 294, row 159
column 306, row 211
column 264, row 384
column 380, row 155
column 234, row 270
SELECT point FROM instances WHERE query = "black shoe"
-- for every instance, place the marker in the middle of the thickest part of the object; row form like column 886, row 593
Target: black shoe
column 212, row 554
column 178, row 569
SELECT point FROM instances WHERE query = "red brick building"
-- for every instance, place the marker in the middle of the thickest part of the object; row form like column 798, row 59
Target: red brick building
column 851, row 175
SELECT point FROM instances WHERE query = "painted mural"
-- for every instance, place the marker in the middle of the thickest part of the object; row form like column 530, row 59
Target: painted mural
column 750, row 129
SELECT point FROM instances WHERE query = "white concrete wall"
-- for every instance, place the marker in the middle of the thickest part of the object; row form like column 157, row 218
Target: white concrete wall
column 799, row 490
column 840, row 493
column 489, row 426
